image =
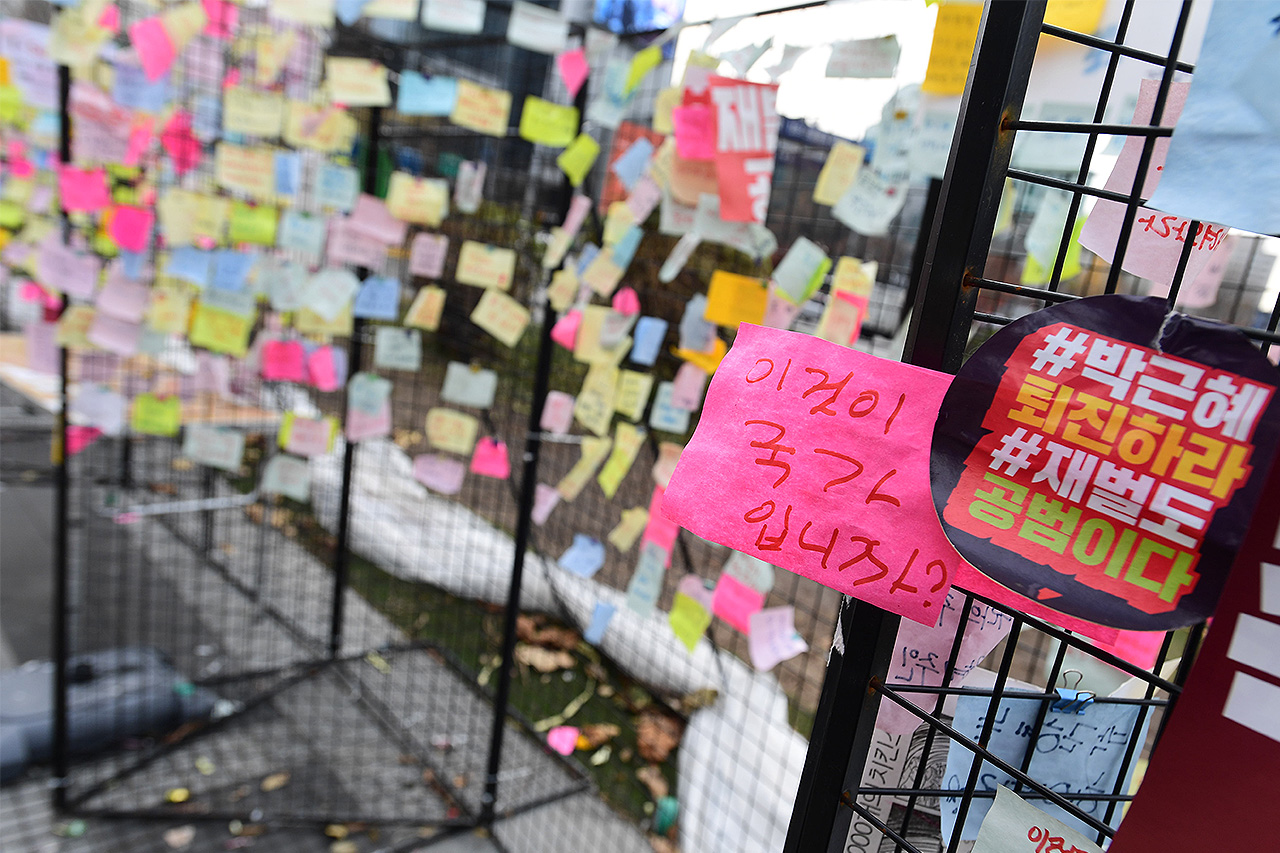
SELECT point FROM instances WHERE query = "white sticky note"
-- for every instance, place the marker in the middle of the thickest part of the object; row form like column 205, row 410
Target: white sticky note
column 1271, row 589
column 1252, row 703
column 1256, row 643
column 537, row 28
column 468, row 386
column 453, row 16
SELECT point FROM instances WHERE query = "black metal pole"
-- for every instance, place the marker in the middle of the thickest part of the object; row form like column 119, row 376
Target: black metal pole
column 341, row 556
column 524, row 526
column 61, row 569
column 970, row 196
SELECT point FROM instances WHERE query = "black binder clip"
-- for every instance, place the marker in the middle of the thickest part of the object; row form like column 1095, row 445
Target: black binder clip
column 1072, row 700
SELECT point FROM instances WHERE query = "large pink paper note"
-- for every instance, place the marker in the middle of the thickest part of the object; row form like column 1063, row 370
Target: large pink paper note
column 1156, row 239
column 83, row 189
column 154, row 48
column 131, row 227
column 815, row 458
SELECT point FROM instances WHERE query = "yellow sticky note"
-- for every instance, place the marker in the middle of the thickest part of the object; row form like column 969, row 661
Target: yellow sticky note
column 641, row 64
column 617, row 221
column 576, row 160
column 424, row 201
column 169, row 310
column 308, row 322
column 4, row 71
column 426, row 309
column 1083, row 16
column 154, row 415
column 183, row 23
column 708, row 361
column 451, row 431
column 317, row 13
column 734, row 299
column 482, row 109
column 563, row 289
column 501, row 316
column 252, row 112
column 602, row 274
column 73, row 327
column 854, row 276
column 271, row 51
column 627, row 441
column 546, row 123
column 323, row 127
column 667, row 100
column 395, row 10
column 633, row 393
column 18, row 190
column 251, row 224
column 838, row 172
column 251, row 171
column 594, row 450
column 954, row 35
column 11, row 215
column 483, row 265
column 356, row 82
column 10, row 103
column 1038, row 271
column 220, row 330
column 587, row 347
column 688, row 619
column 186, row 217
column 625, row 533
column 593, row 407
column 668, row 455
column 1004, row 213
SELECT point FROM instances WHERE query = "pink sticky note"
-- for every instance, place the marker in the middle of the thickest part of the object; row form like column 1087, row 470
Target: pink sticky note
column 660, row 530
column 545, row 499
column 692, row 586
column 686, row 389
column 80, row 437
column 309, row 436
column 573, row 68
column 557, row 413
column 490, row 459
column 83, row 189
column 131, row 227
column 563, row 739
column 361, row 425
column 139, row 140
column 113, row 334
column 231, row 79
column 284, row 361
column 1137, row 647
column 321, row 370
column 644, row 198
column 109, row 20
column 739, row 482
column 1156, row 238
column 427, row 254
column 151, row 43
column 223, row 16
column 626, row 302
column 565, row 331
column 692, row 125
column 773, row 637
column 779, row 312
column 371, row 218
column 31, row 292
column 41, row 340
column 439, row 473
column 734, row 602
column 22, row 168
column 124, row 298
column 181, row 143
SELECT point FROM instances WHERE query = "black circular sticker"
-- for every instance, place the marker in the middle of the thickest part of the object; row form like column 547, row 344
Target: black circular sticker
column 1103, row 457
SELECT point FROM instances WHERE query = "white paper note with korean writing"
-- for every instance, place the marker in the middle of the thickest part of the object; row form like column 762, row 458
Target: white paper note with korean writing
column 814, row 457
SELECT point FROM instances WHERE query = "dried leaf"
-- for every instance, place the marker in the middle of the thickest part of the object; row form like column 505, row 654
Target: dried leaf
column 543, row 660
column 597, row 734
column 657, row 734
column 651, row 777
column 275, row 781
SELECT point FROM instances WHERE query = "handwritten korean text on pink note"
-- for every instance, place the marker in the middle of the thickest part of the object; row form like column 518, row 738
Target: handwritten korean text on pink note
column 815, row 458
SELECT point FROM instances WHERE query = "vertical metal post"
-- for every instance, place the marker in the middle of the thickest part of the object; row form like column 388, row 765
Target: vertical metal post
column 61, row 567
column 341, row 557
column 970, row 196
column 524, row 525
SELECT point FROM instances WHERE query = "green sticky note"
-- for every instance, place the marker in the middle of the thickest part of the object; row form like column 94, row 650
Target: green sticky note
column 641, row 64
column 688, row 619
column 11, row 215
column 251, row 224
column 819, row 276
column 154, row 415
column 576, row 160
column 10, row 103
column 447, row 164
column 1034, row 272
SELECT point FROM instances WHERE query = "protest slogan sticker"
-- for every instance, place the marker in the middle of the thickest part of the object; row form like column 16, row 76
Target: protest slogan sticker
column 814, row 457
column 1098, row 457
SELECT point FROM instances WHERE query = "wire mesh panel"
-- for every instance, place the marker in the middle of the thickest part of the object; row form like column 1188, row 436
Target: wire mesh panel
column 1005, row 244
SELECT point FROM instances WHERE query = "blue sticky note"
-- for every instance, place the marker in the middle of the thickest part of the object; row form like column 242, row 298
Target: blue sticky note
column 1074, row 754
column 288, row 172
column 646, row 583
column 301, row 232
column 632, row 162
column 696, row 334
column 133, row 263
column 664, row 415
column 378, row 299
column 231, row 269
column 190, row 264
column 649, row 334
column 337, row 187
column 426, row 96
column 625, row 249
column 348, row 11
column 206, row 116
column 599, row 622
column 132, row 89
column 586, row 256
column 584, row 557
